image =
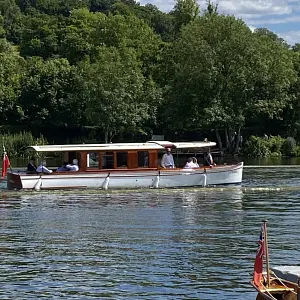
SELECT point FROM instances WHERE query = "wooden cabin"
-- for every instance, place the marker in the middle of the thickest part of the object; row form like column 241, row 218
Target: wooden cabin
column 114, row 157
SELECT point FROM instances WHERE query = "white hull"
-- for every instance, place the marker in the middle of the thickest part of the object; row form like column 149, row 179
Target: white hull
column 165, row 178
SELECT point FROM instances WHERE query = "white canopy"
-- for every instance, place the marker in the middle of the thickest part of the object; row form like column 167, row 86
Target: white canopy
column 151, row 145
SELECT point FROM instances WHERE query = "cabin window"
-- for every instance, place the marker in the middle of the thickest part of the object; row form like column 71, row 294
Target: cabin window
column 107, row 160
column 143, row 159
column 93, row 160
column 122, row 160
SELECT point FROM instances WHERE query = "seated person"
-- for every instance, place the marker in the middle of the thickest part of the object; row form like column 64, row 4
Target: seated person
column 42, row 168
column 195, row 162
column 31, row 167
column 63, row 168
column 190, row 164
column 74, row 166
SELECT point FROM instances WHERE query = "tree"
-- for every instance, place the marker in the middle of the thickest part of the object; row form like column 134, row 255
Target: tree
column 184, row 12
column 266, row 33
column 119, row 97
column 211, row 7
column 11, row 72
column 12, row 19
column 51, row 7
column 40, row 35
column 87, row 32
column 223, row 74
column 52, row 94
column 291, row 111
column 128, row 31
column 76, row 41
column 274, row 75
column 161, row 23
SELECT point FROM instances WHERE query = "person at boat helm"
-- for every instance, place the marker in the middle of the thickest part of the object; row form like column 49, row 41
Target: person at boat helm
column 42, row 168
column 208, row 159
column 167, row 160
column 74, row 166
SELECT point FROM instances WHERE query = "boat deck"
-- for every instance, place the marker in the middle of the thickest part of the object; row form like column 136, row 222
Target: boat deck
column 289, row 273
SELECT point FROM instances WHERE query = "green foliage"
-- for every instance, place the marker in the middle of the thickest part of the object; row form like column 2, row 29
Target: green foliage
column 16, row 144
column 161, row 23
column 213, row 73
column 127, row 31
column 104, row 63
column 12, row 20
column 264, row 146
column 289, row 147
column 52, row 7
column 40, row 35
column 119, row 96
column 184, row 12
column 51, row 94
column 211, row 7
column 11, row 73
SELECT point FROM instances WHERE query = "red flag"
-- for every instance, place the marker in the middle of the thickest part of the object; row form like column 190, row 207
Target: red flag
column 258, row 264
column 5, row 164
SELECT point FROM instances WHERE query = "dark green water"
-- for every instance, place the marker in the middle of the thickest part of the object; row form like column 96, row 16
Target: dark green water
column 161, row 244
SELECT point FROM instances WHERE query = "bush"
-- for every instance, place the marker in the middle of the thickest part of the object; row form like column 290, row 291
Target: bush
column 297, row 151
column 289, row 147
column 264, row 146
column 16, row 145
column 275, row 143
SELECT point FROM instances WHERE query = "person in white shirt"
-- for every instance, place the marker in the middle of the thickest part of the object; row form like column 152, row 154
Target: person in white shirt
column 195, row 162
column 73, row 167
column 42, row 168
column 167, row 160
column 190, row 164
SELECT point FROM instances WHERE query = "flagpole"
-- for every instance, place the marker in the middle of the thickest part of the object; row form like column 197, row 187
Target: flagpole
column 267, row 253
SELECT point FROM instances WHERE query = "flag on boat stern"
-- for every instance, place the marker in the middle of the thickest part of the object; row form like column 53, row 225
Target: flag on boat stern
column 258, row 264
column 5, row 164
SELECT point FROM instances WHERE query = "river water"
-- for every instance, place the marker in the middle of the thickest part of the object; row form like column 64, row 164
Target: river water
column 151, row 244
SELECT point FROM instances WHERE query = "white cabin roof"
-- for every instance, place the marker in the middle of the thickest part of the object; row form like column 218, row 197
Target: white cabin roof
column 151, row 145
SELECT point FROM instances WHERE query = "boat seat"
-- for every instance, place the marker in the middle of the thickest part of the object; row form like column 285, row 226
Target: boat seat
column 278, row 288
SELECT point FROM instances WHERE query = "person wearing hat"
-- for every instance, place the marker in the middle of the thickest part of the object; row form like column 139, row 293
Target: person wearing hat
column 167, row 160
column 74, row 166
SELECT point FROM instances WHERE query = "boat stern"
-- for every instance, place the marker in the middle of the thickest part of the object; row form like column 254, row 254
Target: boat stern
column 14, row 181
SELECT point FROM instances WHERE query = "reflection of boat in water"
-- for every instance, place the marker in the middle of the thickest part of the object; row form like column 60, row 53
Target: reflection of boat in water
column 126, row 165
column 267, row 284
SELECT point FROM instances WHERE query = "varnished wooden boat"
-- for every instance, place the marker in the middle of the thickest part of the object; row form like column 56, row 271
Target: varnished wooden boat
column 126, row 165
column 278, row 289
column 270, row 286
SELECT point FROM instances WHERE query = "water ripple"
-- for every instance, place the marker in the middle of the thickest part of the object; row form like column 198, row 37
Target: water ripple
column 158, row 244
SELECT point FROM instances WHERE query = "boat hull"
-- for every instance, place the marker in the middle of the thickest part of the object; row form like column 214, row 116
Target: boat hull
column 279, row 289
column 129, row 179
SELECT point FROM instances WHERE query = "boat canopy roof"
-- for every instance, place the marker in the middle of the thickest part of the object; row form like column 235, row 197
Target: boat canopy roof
column 150, row 145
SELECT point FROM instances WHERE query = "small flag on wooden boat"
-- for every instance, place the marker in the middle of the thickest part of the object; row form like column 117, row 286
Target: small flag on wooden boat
column 5, row 164
column 258, row 264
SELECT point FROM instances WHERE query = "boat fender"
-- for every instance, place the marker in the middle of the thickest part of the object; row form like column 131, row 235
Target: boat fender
column 106, row 182
column 156, row 181
column 205, row 179
column 38, row 184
